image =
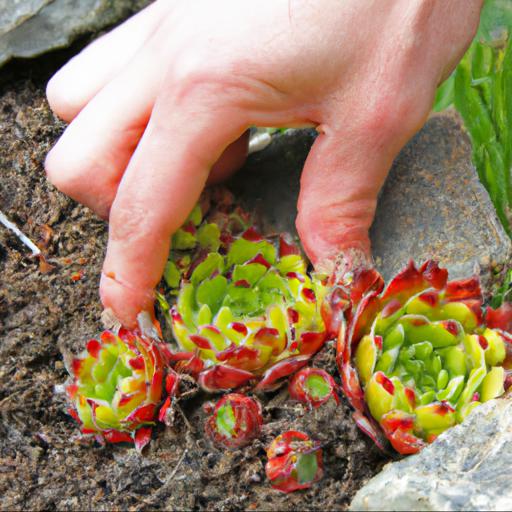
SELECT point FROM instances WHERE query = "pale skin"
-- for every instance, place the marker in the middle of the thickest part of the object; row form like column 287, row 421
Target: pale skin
column 159, row 107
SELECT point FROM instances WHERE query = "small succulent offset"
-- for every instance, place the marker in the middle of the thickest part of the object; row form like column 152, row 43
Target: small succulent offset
column 417, row 356
column 246, row 308
column 294, row 462
column 235, row 422
column 312, row 386
column 116, row 387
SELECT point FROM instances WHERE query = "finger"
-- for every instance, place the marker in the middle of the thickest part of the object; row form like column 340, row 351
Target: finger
column 347, row 167
column 89, row 159
column 230, row 161
column 339, row 187
column 71, row 88
column 88, row 162
column 159, row 189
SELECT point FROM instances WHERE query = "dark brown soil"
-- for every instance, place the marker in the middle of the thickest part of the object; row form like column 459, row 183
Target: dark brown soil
column 43, row 462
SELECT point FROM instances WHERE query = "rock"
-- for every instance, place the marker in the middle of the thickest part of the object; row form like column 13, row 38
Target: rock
column 29, row 28
column 466, row 468
column 432, row 205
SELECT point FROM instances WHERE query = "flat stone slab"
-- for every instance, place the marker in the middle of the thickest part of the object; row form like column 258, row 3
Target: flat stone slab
column 466, row 468
column 29, row 28
column 431, row 206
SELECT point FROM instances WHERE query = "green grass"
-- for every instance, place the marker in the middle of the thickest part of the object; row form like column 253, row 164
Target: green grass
column 481, row 90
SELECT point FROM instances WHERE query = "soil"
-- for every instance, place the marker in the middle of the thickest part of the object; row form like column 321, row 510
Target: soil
column 47, row 313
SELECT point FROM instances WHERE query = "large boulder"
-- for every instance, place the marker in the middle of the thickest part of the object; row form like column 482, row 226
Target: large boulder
column 29, row 28
column 432, row 205
column 466, row 468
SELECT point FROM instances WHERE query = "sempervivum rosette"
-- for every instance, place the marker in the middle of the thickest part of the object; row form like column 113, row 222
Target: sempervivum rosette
column 294, row 462
column 246, row 308
column 419, row 355
column 249, row 311
column 236, row 420
column 116, row 387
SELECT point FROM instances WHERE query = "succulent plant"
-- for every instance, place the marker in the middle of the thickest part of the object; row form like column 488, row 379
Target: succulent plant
column 312, row 386
column 417, row 356
column 294, row 462
column 235, row 422
column 116, row 387
column 246, row 308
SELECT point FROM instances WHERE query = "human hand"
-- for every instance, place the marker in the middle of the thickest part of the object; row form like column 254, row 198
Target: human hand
column 156, row 102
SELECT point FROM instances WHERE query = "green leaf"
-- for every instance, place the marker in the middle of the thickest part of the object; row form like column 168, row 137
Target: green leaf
column 292, row 263
column 496, row 351
column 204, row 317
column 196, row 216
column 387, row 360
column 495, row 20
column 186, row 305
column 503, row 292
column 317, row 386
column 445, row 94
column 475, row 379
column 379, row 400
column 482, row 86
column 212, row 263
column 366, row 358
column 183, row 240
column 162, row 302
column 226, row 420
column 212, row 292
column 172, row 275
column 272, row 281
column 394, row 338
column 208, row 236
column 242, row 250
column 442, row 379
column 307, row 467
column 481, row 90
column 242, row 301
column 428, row 417
column 492, row 385
column 423, row 350
column 452, row 390
column 454, row 359
column 250, row 273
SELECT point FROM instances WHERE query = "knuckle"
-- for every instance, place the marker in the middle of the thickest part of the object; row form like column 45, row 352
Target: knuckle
column 197, row 72
column 395, row 116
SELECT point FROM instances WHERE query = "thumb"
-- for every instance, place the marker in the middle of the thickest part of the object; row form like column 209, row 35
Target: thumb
column 338, row 196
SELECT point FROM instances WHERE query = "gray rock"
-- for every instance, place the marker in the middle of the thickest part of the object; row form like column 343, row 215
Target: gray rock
column 466, row 468
column 432, row 205
column 29, row 28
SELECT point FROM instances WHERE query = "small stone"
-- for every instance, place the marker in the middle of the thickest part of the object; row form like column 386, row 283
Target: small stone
column 255, row 478
column 466, row 468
